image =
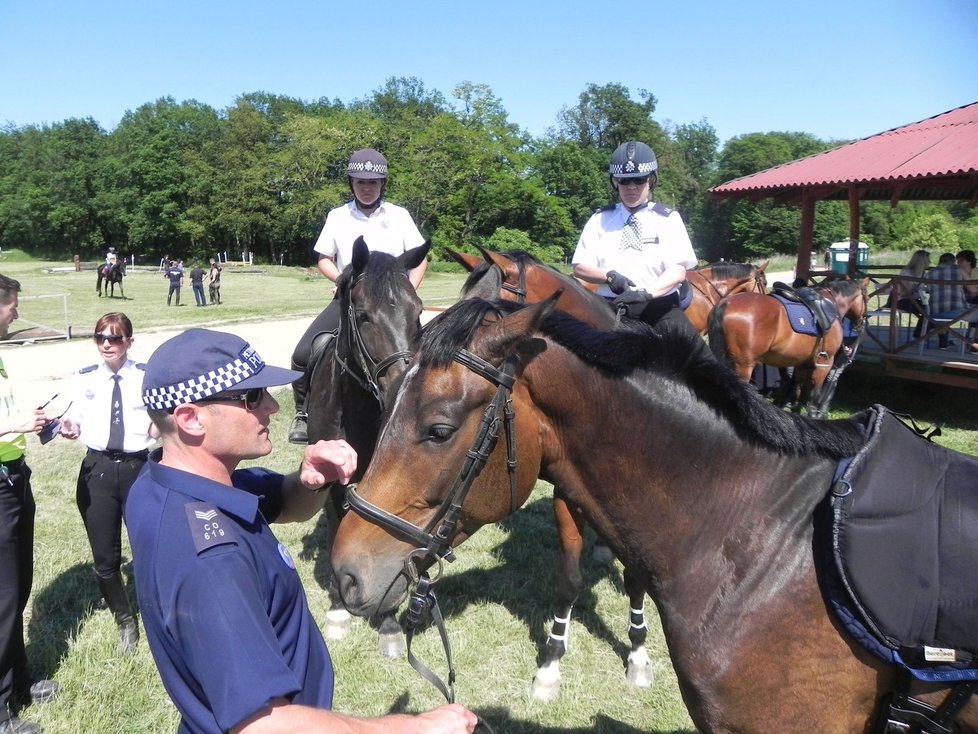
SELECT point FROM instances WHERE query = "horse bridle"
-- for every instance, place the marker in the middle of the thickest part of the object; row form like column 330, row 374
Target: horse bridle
column 520, row 288
column 433, row 540
column 370, row 370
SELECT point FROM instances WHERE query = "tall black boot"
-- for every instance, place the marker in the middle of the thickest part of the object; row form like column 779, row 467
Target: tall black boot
column 117, row 600
column 297, row 430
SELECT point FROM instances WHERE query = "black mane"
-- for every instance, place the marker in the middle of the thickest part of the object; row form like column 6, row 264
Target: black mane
column 383, row 269
column 667, row 354
column 729, row 270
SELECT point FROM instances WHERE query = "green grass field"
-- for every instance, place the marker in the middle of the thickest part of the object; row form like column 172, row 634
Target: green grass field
column 496, row 597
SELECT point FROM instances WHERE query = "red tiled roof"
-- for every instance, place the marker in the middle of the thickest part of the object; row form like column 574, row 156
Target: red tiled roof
column 936, row 158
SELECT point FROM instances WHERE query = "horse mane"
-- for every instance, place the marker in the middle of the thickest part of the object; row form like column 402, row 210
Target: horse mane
column 523, row 259
column 383, row 268
column 846, row 288
column 725, row 270
column 667, row 353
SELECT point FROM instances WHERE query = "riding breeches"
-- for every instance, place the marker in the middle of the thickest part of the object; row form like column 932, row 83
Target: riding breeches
column 327, row 321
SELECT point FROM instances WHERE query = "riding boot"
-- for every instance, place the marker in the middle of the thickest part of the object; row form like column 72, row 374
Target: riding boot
column 117, row 600
column 298, row 433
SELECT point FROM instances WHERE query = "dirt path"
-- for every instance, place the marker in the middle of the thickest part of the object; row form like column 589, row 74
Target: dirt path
column 40, row 370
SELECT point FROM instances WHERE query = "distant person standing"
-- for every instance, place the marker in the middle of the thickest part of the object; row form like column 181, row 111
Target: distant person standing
column 175, row 275
column 17, row 511
column 214, row 282
column 108, row 415
column 197, row 283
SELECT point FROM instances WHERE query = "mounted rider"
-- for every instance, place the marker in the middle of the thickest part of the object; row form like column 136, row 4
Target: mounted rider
column 385, row 227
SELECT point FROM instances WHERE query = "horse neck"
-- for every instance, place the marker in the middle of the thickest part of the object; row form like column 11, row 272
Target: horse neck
column 694, row 470
column 575, row 300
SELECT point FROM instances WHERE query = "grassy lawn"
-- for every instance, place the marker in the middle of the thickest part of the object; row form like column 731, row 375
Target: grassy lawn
column 496, row 597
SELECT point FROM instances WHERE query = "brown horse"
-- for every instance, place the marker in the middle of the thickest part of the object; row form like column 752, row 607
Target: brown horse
column 711, row 283
column 722, row 538
column 519, row 277
column 747, row 328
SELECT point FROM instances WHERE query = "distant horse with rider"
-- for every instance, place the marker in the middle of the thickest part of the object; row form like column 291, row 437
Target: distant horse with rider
column 111, row 274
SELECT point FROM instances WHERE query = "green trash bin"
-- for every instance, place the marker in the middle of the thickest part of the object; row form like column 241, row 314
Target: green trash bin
column 840, row 256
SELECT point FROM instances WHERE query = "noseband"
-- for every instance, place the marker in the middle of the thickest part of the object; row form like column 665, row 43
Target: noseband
column 370, row 371
column 433, row 541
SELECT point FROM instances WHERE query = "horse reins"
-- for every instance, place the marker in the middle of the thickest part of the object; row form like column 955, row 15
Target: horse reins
column 370, row 370
column 433, row 541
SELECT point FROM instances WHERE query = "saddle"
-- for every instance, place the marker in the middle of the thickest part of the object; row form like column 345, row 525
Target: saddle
column 802, row 304
column 903, row 541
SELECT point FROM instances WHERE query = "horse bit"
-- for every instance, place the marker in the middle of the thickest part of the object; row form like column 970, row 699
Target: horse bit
column 370, row 371
column 433, row 541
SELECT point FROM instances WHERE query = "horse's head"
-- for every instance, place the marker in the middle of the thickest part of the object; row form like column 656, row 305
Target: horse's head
column 851, row 299
column 380, row 316
column 443, row 466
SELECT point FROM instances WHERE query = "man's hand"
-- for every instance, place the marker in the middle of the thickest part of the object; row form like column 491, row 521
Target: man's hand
column 618, row 282
column 327, row 461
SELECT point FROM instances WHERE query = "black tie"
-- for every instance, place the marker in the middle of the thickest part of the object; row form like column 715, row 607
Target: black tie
column 116, row 428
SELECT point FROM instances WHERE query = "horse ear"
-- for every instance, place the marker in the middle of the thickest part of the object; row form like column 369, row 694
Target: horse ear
column 509, row 268
column 467, row 261
column 410, row 259
column 360, row 255
column 511, row 332
column 763, row 267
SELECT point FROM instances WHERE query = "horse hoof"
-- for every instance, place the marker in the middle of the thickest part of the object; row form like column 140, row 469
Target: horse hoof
column 338, row 623
column 546, row 683
column 393, row 645
column 640, row 676
column 602, row 553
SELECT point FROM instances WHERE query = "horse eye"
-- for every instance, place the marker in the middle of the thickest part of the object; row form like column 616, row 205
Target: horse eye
column 363, row 317
column 440, row 432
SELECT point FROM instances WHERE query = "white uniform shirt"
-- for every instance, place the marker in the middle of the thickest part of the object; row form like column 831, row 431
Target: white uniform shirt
column 91, row 408
column 665, row 242
column 388, row 229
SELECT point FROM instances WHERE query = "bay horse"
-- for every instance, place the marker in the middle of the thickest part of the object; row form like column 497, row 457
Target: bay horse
column 520, row 277
column 747, row 328
column 711, row 283
column 700, row 486
column 111, row 275
column 380, row 320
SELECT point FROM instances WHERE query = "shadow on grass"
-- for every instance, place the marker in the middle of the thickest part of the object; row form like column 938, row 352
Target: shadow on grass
column 57, row 611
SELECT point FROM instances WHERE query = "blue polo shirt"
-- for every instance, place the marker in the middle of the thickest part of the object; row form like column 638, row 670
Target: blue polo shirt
column 224, row 610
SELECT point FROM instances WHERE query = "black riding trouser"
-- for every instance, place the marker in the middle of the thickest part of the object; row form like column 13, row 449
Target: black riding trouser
column 100, row 493
column 327, row 321
column 17, row 510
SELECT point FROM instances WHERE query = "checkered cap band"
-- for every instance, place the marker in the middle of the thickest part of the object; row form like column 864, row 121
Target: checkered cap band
column 248, row 364
column 633, row 168
column 367, row 167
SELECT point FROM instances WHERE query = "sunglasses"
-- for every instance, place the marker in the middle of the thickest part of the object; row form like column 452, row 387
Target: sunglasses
column 251, row 399
column 633, row 181
column 110, row 338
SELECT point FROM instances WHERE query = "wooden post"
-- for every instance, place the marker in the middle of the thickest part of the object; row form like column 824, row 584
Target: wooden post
column 854, row 196
column 803, row 265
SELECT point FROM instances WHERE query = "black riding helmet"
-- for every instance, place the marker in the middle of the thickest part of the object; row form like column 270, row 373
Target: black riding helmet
column 634, row 159
column 367, row 164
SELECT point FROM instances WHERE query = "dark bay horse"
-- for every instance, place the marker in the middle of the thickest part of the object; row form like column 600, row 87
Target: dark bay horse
column 722, row 536
column 747, row 328
column 380, row 320
column 111, row 275
column 519, row 277
column 711, row 283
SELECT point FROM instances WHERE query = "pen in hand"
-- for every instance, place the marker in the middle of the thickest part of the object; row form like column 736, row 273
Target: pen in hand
column 49, row 401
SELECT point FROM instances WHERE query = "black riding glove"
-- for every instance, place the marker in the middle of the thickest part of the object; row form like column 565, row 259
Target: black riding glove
column 618, row 282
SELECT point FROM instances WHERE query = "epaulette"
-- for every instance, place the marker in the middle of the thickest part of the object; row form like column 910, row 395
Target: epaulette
column 605, row 208
column 141, row 366
column 209, row 527
column 86, row 370
column 662, row 209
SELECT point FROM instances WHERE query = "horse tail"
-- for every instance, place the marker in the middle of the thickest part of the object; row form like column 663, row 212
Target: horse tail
column 714, row 333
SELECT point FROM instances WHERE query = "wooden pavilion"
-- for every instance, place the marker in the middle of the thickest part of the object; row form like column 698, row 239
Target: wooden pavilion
column 934, row 159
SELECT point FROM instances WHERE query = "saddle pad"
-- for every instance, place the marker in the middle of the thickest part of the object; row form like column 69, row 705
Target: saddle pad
column 905, row 539
column 799, row 315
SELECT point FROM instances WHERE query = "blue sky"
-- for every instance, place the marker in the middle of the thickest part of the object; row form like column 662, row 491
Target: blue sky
column 837, row 69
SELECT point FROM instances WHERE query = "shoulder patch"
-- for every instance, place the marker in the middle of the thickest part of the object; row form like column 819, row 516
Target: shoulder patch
column 209, row 527
column 86, row 370
column 662, row 209
column 605, row 208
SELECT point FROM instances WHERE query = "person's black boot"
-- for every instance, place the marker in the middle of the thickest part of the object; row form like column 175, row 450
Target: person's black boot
column 114, row 593
column 298, row 433
column 10, row 724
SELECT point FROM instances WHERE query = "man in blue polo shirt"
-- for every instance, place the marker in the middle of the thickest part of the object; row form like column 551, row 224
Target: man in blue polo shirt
column 225, row 613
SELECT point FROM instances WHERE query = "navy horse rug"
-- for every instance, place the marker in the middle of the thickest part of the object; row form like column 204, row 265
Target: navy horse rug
column 904, row 547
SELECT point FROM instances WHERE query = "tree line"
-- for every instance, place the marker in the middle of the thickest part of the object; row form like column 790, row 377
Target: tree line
column 257, row 178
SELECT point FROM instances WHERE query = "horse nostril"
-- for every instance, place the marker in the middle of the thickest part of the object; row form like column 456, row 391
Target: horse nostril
column 348, row 585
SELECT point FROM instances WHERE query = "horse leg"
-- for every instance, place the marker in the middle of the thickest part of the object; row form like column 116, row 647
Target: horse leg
column 338, row 620
column 639, row 672
column 393, row 643
column 567, row 585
